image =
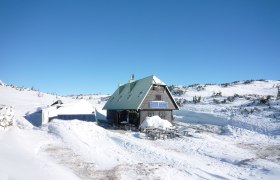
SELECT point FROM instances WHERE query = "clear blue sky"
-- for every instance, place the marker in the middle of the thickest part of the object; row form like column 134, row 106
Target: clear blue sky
column 88, row 46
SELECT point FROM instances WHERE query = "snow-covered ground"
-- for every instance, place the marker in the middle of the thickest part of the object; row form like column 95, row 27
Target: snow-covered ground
column 241, row 105
column 223, row 142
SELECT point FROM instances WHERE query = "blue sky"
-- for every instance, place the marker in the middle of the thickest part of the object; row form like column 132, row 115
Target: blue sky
column 73, row 47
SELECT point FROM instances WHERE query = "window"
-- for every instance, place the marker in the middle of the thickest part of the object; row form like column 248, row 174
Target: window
column 120, row 99
column 121, row 88
column 140, row 94
column 150, row 113
column 162, row 114
column 129, row 96
column 158, row 104
column 132, row 85
column 158, row 97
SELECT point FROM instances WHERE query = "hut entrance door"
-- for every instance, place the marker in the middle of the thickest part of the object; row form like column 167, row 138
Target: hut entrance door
column 116, row 118
column 133, row 118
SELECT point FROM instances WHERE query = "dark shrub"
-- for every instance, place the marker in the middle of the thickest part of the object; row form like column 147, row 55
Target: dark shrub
column 200, row 88
column 219, row 94
column 196, row 99
column 235, row 82
column 216, row 101
column 278, row 93
column 265, row 100
column 230, row 98
column 225, row 84
column 193, row 85
column 248, row 81
column 171, row 88
column 178, row 92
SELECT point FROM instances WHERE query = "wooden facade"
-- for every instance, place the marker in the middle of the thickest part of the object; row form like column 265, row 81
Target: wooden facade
column 157, row 93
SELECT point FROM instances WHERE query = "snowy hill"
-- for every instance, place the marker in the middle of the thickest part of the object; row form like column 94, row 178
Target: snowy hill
column 252, row 105
column 225, row 141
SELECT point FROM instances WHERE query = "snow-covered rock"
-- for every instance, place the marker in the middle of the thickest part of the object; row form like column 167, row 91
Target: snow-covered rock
column 6, row 115
column 156, row 122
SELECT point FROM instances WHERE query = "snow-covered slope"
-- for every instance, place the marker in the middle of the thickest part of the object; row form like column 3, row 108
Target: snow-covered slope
column 221, row 146
column 252, row 105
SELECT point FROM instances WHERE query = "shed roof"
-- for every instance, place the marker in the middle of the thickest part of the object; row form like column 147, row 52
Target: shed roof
column 132, row 94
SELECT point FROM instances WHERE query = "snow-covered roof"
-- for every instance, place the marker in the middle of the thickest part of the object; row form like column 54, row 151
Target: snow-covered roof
column 79, row 107
column 74, row 108
column 156, row 80
column 131, row 95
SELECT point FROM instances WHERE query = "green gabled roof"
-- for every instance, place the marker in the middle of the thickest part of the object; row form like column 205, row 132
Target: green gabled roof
column 131, row 95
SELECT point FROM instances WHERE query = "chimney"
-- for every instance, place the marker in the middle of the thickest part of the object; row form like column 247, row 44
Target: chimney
column 131, row 78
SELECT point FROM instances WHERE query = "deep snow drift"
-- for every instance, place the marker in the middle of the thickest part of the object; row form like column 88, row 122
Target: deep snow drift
column 220, row 146
column 155, row 122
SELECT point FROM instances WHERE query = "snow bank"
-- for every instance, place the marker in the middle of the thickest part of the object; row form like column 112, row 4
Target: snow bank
column 100, row 114
column 21, row 157
column 6, row 115
column 156, row 122
column 90, row 141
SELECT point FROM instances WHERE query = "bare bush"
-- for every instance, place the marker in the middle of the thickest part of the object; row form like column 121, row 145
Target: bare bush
column 180, row 101
column 219, row 94
column 278, row 93
column 200, row 88
column 248, row 81
column 232, row 98
column 216, row 101
column 196, row 99
column 265, row 100
column 225, row 84
column 171, row 88
column 178, row 92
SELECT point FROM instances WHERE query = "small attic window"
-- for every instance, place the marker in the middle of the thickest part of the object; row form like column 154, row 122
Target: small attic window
column 121, row 88
column 129, row 96
column 140, row 94
column 120, row 98
column 132, row 85
column 158, row 97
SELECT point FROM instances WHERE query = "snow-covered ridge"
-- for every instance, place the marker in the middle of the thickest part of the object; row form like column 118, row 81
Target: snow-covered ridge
column 253, row 105
column 256, row 87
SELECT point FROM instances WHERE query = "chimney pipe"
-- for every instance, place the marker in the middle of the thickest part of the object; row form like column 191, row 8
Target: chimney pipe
column 131, row 78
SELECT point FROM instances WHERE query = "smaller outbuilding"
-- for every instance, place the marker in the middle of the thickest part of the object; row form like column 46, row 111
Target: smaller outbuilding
column 81, row 110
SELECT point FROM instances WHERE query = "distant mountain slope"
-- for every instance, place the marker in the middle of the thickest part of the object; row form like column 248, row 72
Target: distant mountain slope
column 257, row 87
column 253, row 105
